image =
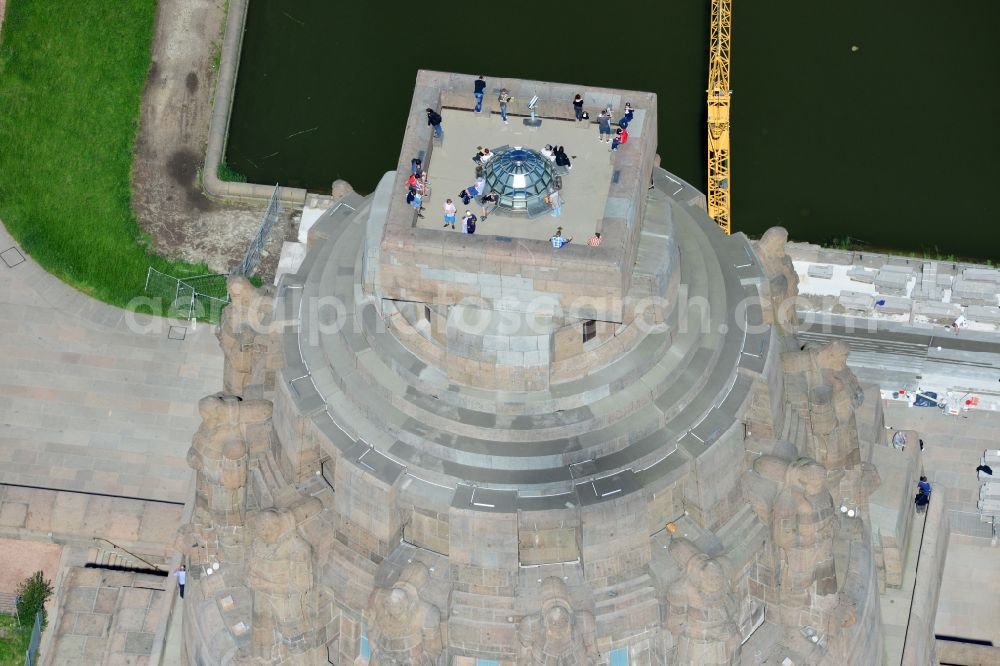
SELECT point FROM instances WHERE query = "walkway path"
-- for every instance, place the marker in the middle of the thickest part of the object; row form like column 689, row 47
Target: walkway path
column 93, row 398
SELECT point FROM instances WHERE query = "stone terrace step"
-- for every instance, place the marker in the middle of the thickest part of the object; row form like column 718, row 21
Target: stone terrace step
column 630, row 413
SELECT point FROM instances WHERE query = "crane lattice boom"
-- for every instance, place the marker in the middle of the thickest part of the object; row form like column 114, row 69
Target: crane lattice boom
column 719, row 185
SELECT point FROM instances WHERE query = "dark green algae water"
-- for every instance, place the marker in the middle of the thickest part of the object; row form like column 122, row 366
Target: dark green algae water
column 892, row 144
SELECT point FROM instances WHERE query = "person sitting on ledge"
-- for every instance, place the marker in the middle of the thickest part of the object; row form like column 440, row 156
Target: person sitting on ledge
column 595, row 240
column 482, row 155
column 921, row 500
column 621, row 138
column 549, row 153
column 491, row 199
column 562, row 159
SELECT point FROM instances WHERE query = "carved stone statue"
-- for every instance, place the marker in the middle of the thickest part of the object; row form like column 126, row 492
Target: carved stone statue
column 406, row 629
column 230, row 428
column 558, row 635
column 281, row 580
column 784, row 281
column 832, row 394
column 802, row 518
column 703, row 611
column 245, row 339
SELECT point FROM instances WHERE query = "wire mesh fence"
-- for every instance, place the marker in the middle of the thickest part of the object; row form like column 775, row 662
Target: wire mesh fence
column 973, row 524
column 31, row 655
column 199, row 297
column 251, row 260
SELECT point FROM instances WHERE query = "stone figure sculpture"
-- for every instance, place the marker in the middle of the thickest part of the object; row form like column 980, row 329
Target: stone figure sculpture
column 558, row 635
column 281, row 580
column 406, row 630
column 783, row 280
column 244, row 336
column 802, row 519
column 703, row 611
column 832, row 394
column 230, row 428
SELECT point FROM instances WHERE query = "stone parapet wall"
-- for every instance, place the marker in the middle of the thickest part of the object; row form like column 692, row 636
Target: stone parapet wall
column 920, row 645
column 421, row 264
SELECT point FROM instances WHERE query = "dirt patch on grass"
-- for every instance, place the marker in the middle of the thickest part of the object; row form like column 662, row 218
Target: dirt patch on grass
column 170, row 151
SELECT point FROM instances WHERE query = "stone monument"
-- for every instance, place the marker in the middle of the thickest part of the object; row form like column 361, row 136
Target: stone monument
column 483, row 449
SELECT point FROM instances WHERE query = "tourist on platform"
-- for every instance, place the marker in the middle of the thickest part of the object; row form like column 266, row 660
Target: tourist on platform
column 416, row 166
column 555, row 202
column 921, row 500
column 504, row 99
column 466, row 219
column 488, row 200
column 412, row 180
column 594, row 240
column 479, row 89
column 604, row 126
column 449, row 213
column 549, row 152
column 559, row 240
column 562, row 159
column 482, row 156
column 627, row 118
column 417, row 202
column 621, row 138
column 434, row 120
column 425, row 186
column 578, row 107
column 985, row 469
column 924, row 485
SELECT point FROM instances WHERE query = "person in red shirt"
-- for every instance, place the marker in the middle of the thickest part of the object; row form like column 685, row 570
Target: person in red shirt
column 621, row 138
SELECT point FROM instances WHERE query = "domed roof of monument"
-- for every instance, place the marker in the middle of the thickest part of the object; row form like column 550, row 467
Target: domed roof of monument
column 518, row 175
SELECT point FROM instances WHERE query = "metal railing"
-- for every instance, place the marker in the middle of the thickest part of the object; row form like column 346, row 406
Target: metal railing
column 197, row 297
column 115, row 546
column 974, row 525
column 31, row 655
column 251, row 260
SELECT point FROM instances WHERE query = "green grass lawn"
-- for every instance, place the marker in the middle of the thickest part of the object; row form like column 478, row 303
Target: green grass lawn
column 13, row 641
column 71, row 82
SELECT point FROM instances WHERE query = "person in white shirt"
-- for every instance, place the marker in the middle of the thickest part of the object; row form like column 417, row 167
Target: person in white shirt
column 449, row 213
column 180, row 573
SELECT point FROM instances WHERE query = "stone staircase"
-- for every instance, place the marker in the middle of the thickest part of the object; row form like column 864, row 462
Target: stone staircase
column 106, row 555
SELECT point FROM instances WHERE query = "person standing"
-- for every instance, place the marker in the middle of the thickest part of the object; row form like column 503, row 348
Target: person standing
column 418, row 199
column 604, row 126
column 559, row 240
column 578, row 107
column 555, row 201
column 504, row 99
column 449, row 213
column 466, row 220
column 479, row 90
column 180, row 573
column 434, row 120
column 595, row 240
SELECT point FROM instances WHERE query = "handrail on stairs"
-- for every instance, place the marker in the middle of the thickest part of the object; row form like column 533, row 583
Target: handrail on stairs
column 126, row 550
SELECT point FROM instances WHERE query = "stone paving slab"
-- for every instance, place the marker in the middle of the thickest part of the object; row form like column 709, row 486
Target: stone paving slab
column 94, row 398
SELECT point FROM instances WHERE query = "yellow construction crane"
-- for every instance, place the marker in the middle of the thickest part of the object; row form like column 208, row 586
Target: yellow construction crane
column 718, row 91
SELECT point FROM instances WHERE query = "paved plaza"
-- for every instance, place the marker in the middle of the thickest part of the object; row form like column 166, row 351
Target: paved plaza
column 91, row 398
column 970, row 586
